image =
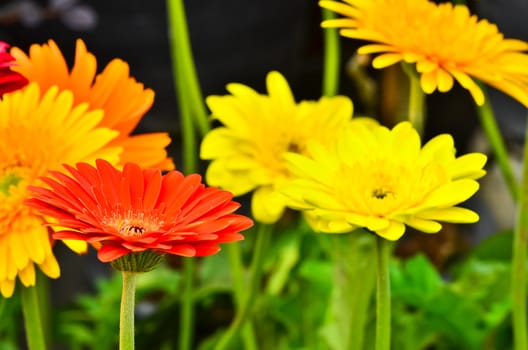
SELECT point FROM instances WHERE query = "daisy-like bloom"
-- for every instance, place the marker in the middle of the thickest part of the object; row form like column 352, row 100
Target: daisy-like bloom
column 137, row 210
column 445, row 42
column 382, row 180
column 123, row 100
column 246, row 152
column 9, row 79
column 39, row 132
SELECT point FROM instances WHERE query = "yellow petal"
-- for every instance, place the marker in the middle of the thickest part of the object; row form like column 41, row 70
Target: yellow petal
column 393, row 232
column 385, row 60
column 27, row 275
column 468, row 166
column 267, row 205
column 426, row 226
column 454, row 215
column 79, row 247
column 7, row 287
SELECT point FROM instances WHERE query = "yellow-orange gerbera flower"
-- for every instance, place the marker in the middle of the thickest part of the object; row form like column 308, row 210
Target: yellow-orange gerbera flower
column 39, row 132
column 246, row 152
column 446, row 42
column 123, row 100
column 383, row 180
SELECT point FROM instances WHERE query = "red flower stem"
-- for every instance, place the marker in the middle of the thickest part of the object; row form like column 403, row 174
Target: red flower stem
column 32, row 318
column 126, row 319
column 332, row 51
column 383, row 295
column 259, row 253
column 519, row 261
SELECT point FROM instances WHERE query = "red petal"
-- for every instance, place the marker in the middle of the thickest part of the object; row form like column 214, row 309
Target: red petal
column 109, row 253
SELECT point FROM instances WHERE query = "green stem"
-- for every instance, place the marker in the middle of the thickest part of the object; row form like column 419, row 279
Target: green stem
column 416, row 99
column 332, row 51
column 237, row 274
column 261, row 244
column 494, row 136
column 383, row 295
column 519, row 261
column 182, row 56
column 187, row 306
column 32, row 318
column 126, row 319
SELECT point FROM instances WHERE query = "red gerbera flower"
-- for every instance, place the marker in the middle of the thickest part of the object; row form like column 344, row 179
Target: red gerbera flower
column 9, row 80
column 135, row 210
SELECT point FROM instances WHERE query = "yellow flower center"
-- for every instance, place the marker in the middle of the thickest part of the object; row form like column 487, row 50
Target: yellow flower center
column 384, row 187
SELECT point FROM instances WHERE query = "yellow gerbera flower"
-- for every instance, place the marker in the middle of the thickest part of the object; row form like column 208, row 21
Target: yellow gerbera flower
column 258, row 129
column 37, row 134
column 382, row 180
column 123, row 99
column 446, row 42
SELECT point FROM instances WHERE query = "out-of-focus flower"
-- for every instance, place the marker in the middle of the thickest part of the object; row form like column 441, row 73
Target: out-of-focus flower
column 246, row 152
column 39, row 133
column 382, row 180
column 446, row 42
column 137, row 210
column 9, row 79
column 123, row 100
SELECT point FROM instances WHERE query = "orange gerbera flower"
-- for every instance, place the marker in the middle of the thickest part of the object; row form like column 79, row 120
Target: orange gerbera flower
column 9, row 80
column 123, row 99
column 135, row 210
column 446, row 42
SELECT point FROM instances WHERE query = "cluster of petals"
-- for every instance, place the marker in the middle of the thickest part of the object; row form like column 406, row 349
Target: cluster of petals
column 445, row 41
column 38, row 132
column 60, row 117
column 257, row 129
column 123, row 100
column 383, row 180
column 9, row 79
column 134, row 210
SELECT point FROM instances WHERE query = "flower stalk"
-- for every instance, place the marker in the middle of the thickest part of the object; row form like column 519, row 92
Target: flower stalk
column 520, row 239
column 494, row 137
column 126, row 319
column 237, row 275
column 383, row 295
column 332, row 51
column 416, row 107
column 262, row 241
column 32, row 318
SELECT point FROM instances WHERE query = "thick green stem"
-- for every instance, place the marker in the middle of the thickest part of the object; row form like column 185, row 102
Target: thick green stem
column 187, row 305
column 126, row 320
column 259, row 253
column 239, row 286
column 519, row 261
column 416, row 107
column 182, row 56
column 494, row 136
column 383, row 296
column 32, row 318
column 332, row 51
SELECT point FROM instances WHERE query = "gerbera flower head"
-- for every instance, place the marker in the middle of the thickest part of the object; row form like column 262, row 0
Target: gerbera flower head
column 445, row 42
column 9, row 79
column 39, row 132
column 137, row 210
column 383, row 180
column 123, row 100
column 246, row 152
